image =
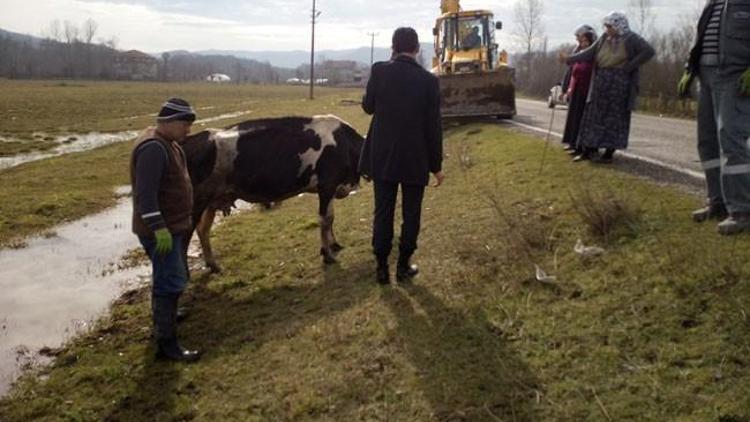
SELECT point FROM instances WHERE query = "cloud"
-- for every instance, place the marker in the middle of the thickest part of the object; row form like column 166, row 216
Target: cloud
column 157, row 25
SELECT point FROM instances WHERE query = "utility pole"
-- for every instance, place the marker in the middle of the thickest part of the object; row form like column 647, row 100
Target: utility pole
column 315, row 14
column 372, row 45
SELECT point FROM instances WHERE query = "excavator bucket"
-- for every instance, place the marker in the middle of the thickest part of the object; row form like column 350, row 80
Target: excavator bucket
column 478, row 94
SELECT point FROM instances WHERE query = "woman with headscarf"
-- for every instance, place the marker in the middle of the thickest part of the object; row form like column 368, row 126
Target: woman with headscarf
column 576, row 88
column 616, row 55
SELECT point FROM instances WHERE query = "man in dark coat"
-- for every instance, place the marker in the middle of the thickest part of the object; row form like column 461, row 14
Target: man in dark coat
column 404, row 145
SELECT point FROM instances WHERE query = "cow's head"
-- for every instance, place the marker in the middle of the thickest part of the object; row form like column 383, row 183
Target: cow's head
column 351, row 144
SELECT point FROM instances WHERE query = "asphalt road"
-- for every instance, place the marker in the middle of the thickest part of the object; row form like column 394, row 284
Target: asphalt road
column 656, row 139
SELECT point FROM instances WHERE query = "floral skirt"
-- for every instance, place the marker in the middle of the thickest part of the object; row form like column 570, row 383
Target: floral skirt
column 606, row 120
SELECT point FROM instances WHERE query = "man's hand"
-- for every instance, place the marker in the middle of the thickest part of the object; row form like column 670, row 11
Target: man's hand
column 163, row 241
column 745, row 83
column 563, row 57
column 439, row 177
column 683, row 87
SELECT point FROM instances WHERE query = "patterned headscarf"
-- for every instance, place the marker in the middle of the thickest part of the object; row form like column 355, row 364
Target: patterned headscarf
column 619, row 21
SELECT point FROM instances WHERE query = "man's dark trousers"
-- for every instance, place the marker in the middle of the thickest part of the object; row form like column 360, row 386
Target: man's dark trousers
column 385, row 206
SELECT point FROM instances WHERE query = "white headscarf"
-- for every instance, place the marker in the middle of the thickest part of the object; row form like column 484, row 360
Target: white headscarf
column 619, row 21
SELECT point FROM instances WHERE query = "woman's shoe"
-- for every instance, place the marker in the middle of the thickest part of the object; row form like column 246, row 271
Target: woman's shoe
column 607, row 157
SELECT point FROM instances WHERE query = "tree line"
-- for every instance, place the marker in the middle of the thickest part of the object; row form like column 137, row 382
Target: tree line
column 70, row 51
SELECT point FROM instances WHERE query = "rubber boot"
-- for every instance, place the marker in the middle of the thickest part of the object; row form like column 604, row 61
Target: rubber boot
column 164, row 309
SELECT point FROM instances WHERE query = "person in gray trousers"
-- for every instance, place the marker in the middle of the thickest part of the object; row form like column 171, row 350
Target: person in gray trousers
column 720, row 58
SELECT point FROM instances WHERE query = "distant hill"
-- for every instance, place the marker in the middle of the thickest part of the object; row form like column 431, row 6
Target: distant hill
column 15, row 36
column 279, row 59
column 292, row 59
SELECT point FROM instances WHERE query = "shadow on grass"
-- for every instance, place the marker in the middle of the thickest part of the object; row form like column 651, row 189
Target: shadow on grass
column 155, row 394
column 466, row 370
column 225, row 321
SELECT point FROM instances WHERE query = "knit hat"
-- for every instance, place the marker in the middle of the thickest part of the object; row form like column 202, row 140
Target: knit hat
column 176, row 109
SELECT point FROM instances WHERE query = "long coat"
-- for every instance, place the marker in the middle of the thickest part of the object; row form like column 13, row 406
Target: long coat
column 638, row 50
column 405, row 141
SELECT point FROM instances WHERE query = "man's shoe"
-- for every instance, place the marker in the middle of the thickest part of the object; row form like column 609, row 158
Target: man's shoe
column 735, row 223
column 710, row 212
column 404, row 274
column 383, row 275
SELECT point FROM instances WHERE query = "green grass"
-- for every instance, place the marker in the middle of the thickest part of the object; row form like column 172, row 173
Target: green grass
column 655, row 329
column 54, row 107
column 38, row 195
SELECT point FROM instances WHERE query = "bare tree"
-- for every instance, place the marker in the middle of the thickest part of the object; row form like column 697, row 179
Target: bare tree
column 89, row 30
column 529, row 32
column 55, row 31
column 70, row 31
column 528, row 19
column 642, row 12
column 112, row 43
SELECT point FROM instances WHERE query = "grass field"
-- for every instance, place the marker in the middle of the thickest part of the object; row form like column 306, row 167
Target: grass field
column 654, row 329
column 62, row 107
column 39, row 195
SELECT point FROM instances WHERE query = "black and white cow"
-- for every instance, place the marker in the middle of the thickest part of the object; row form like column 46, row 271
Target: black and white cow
column 269, row 160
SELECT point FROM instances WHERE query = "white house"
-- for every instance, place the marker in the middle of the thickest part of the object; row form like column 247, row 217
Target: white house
column 218, row 77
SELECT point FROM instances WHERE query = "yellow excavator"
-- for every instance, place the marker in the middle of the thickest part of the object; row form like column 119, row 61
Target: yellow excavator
column 475, row 79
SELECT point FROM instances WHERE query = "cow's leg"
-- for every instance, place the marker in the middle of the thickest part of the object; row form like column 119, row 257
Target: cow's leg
column 204, row 235
column 325, row 216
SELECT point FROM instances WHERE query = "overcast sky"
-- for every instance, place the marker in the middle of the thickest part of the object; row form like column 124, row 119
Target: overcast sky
column 159, row 25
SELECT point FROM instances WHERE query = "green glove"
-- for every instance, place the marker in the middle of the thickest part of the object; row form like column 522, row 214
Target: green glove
column 745, row 83
column 163, row 241
column 683, row 87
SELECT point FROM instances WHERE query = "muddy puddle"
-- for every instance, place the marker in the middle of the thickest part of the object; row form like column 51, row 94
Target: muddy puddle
column 56, row 286
column 82, row 142
column 66, row 145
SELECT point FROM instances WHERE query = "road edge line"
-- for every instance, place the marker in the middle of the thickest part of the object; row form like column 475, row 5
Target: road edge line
column 687, row 172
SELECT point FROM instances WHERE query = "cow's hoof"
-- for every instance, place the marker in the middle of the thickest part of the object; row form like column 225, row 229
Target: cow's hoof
column 329, row 260
column 214, row 267
column 336, row 248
